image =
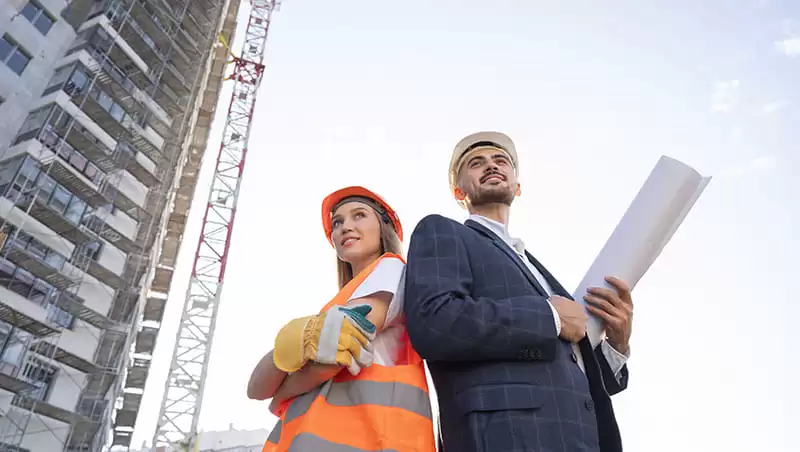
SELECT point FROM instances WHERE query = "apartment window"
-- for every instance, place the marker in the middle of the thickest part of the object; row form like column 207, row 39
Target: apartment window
column 75, row 210
column 34, row 121
column 22, row 282
column 60, row 199
column 61, row 75
column 40, row 19
column 6, row 271
column 34, row 289
column 13, row 55
column 39, row 374
column 91, row 250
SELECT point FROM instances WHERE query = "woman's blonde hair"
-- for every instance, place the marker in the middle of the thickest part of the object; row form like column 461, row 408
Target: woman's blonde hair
column 390, row 242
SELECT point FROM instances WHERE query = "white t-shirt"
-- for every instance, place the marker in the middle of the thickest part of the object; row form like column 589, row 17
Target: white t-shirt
column 388, row 276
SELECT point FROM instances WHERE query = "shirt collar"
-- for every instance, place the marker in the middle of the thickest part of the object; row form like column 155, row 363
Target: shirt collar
column 501, row 230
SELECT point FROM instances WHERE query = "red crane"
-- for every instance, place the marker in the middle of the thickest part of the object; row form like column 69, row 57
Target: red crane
column 183, row 395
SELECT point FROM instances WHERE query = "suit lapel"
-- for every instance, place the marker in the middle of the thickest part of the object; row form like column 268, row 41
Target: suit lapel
column 558, row 289
column 498, row 242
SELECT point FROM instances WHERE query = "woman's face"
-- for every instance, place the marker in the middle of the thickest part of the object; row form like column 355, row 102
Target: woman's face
column 356, row 232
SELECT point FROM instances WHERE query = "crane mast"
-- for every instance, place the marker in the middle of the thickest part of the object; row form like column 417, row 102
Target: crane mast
column 183, row 394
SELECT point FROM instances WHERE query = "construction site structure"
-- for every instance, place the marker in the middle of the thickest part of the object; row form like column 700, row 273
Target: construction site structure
column 183, row 392
column 231, row 440
column 106, row 107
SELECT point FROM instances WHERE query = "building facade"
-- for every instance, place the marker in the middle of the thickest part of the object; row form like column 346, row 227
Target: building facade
column 105, row 107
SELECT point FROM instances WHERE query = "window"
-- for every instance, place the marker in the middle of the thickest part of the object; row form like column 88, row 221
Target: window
column 75, row 210
column 22, row 282
column 34, row 121
column 77, row 161
column 60, row 75
column 16, row 346
column 55, row 260
column 77, row 82
column 38, row 17
column 60, row 199
column 40, row 292
column 46, row 186
column 39, row 374
column 6, row 272
column 92, row 249
column 93, row 173
column 13, row 55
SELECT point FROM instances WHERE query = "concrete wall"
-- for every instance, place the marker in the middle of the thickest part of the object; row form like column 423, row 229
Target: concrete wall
column 21, row 92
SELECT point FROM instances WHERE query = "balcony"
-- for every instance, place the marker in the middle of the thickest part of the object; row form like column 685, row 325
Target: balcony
column 63, row 173
column 50, row 213
column 193, row 28
column 141, row 42
column 77, row 138
column 98, row 40
column 154, row 21
column 94, row 222
column 11, row 383
column 175, row 80
column 40, row 261
column 98, row 154
column 25, row 322
column 114, row 81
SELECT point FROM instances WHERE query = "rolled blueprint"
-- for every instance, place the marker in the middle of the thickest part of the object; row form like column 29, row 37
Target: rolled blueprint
column 650, row 221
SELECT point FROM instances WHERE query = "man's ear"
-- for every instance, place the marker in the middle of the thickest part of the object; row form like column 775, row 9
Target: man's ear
column 459, row 194
column 519, row 190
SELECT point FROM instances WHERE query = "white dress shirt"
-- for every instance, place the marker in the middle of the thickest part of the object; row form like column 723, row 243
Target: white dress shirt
column 616, row 360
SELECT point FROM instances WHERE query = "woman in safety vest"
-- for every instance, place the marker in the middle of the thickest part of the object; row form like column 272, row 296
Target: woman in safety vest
column 382, row 402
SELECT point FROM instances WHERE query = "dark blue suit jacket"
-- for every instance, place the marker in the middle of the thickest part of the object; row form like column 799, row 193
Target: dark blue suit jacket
column 505, row 381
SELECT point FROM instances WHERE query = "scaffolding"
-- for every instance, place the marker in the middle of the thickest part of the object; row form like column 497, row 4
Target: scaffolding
column 185, row 384
column 122, row 46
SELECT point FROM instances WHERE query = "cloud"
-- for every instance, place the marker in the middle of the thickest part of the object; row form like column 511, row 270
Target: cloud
column 761, row 163
column 724, row 98
column 773, row 107
column 789, row 46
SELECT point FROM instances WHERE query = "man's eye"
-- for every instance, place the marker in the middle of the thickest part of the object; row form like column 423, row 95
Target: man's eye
column 475, row 164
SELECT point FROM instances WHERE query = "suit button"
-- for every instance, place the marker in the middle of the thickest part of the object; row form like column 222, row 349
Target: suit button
column 537, row 354
column 574, row 357
column 589, row 405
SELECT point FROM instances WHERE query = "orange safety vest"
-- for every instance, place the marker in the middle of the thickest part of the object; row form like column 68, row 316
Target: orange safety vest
column 382, row 408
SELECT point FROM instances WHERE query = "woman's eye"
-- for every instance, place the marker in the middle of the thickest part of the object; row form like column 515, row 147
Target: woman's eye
column 359, row 215
column 336, row 223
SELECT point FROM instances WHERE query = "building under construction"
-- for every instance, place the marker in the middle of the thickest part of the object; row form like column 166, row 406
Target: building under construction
column 105, row 109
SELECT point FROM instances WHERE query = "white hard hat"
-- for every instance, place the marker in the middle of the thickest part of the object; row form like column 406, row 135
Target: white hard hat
column 479, row 140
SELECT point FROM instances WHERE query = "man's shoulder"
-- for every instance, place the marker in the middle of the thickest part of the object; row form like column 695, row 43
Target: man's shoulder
column 438, row 222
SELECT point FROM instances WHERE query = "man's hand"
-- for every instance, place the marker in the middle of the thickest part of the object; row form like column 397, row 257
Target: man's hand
column 338, row 336
column 615, row 307
column 572, row 316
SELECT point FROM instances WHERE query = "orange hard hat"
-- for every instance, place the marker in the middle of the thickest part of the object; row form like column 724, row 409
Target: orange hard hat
column 332, row 201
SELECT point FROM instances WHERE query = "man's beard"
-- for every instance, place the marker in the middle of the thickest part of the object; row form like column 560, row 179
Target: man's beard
column 491, row 195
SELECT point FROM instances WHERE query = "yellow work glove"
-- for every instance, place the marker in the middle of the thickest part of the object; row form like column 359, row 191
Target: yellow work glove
column 338, row 336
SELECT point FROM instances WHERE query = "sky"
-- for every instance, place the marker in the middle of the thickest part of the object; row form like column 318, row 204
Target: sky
column 593, row 93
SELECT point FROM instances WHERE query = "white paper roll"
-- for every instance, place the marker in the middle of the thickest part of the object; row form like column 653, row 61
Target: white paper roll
column 658, row 209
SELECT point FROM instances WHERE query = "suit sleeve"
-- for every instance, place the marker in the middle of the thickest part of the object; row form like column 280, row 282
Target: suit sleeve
column 612, row 383
column 445, row 323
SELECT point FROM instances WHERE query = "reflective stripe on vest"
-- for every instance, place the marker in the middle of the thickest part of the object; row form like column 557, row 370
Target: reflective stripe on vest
column 307, row 442
column 358, row 392
column 383, row 409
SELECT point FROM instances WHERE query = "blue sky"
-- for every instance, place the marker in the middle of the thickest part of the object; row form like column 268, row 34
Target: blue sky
column 593, row 93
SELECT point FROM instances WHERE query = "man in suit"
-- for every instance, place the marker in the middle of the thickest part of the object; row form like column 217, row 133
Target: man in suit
column 505, row 344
